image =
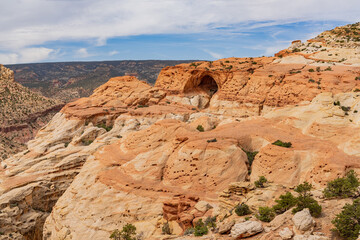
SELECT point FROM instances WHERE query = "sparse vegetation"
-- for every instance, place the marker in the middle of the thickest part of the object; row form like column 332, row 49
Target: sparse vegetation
column 86, row 142
column 200, row 229
column 260, row 183
column 311, row 70
column 282, row 144
column 166, row 229
column 200, row 128
column 103, row 125
column 266, row 214
column 212, row 140
column 127, row 233
column 250, row 156
column 242, row 209
column 284, row 203
column 306, row 201
column 342, row 187
column 347, row 222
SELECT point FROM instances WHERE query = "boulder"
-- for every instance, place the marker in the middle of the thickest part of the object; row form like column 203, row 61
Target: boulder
column 246, row 229
column 202, row 206
column 303, row 220
column 225, row 227
column 286, row 233
column 310, row 237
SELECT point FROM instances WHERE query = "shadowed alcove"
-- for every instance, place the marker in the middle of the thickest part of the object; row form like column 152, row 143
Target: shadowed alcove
column 202, row 84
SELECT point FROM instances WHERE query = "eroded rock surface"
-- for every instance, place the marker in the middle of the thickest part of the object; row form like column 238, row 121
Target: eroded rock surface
column 179, row 152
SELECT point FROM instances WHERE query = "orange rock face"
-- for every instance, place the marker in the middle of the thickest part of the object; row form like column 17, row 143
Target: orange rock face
column 181, row 151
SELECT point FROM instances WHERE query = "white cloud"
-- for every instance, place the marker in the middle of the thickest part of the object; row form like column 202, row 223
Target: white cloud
column 82, row 53
column 26, row 55
column 25, row 23
column 112, row 53
column 214, row 55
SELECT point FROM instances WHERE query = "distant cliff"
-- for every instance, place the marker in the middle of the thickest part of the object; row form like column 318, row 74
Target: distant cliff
column 22, row 113
column 70, row 80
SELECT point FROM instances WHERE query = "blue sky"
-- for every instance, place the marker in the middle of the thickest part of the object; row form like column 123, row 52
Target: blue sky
column 89, row 30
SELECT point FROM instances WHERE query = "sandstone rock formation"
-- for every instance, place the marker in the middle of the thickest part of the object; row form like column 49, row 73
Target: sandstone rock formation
column 184, row 150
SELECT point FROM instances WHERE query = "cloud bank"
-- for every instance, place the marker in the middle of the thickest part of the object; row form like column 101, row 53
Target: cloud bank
column 27, row 24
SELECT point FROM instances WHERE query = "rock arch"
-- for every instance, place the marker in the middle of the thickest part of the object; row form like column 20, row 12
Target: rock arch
column 203, row 84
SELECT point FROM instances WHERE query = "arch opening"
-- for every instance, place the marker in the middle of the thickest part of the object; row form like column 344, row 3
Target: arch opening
column 208, row 85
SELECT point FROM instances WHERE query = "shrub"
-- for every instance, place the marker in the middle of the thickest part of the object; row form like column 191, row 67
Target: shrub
column 282, row 144
column 266, row 214
column 127, row 233
column 345, row 109
column 210, row 222
column 285, row 202
column 189, row 231
column 342, row 187
column 166, row 229
column 306, row 201
column 318, row 69
column 250, row 156
column 303, row 189
column 347, row 223
column 311, row 70
column 242, row 209
column 328, row 69
column 337, row 103
column 103, row 125
column 200, row 229
column 260, row 183
column 86, row 142
column 212, row 140
column 200, row 128
column 311, row 80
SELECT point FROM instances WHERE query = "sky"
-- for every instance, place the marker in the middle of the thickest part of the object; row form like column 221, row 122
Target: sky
column 97, row 30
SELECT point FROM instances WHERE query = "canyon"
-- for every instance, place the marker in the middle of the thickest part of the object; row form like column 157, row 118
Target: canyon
column 178, row 151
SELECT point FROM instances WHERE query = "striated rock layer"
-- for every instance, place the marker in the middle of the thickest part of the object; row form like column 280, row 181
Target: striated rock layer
column 22, row 113
column 178, row 152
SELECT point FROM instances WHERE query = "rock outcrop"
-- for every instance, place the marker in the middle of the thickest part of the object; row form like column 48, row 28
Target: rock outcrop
column 188, row 149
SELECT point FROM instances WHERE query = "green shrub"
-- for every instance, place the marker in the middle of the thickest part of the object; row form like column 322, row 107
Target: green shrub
column 242, row 209
column 103, row 125
column 285, row 202
column 342, row 187
column 212, row 140
column 142, row 106
column 345, row 109
column 311, row 70
column 337, row 103
column 200, row 229
column 210, row 222
column 86, row 142
column 347, row 223
column 189, row 231
column 310, row 203
column 166, row 229
column 306, row 201
column 260, row 183
column 328, row 69
column 250, row 156
column 200, row 128
column 311, row 80
column 282, row 144
column 266, row 214
column 127, row 233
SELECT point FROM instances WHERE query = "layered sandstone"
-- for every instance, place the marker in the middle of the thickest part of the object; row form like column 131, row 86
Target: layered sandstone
column 176, row 152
